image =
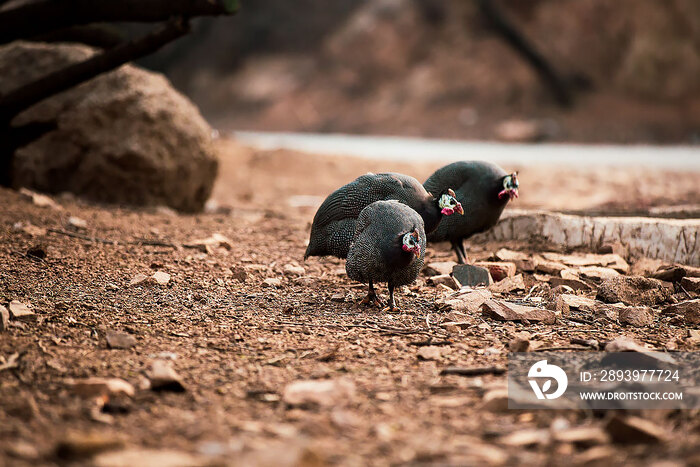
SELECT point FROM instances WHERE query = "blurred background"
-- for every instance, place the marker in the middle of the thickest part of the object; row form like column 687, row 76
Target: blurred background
column 629, row 69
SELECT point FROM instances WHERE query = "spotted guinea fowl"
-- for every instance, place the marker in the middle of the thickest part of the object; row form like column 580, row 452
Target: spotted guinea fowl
column 483, row 188
column 387, row 246
column 334, row 223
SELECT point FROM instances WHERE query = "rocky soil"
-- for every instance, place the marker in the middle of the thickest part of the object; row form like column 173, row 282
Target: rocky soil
column 146, row 337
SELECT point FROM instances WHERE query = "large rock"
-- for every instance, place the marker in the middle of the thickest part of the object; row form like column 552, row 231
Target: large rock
column 634, row 290
column 124, row 137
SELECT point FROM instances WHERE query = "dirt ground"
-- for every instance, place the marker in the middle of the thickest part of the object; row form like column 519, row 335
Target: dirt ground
column 237, row 343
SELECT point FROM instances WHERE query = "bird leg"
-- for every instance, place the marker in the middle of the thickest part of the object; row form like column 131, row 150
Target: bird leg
column 458, row 247
column 372, row 297
column 392, row 304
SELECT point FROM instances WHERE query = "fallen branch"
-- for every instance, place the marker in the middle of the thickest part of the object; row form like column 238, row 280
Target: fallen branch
column 556, row 349
column 473, row 371
column 101, row 36
column 35, row 18
column 26, row 96
column 554, row 82
column 429, row 342
column 112, row 242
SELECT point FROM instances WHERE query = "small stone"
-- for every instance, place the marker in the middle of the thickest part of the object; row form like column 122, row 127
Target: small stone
column 155, row 457
column 579, row 302
column 607, row 311
column 446, row 280
column 119, row 340
column 573, row 283
column 642, row 355
column 597, row 455
column 324, row 393
column 163, row 377
column 584, row 436
column 569, row 274
column 100, row 387
column 138, row 279
column 4, row 318
column 636, row 316
column 161, row 278
column 467, row 302
column 20, row 311
column 505, row 254
column 81, row 446
column 40, row 200
column 471, row 276
column 338, row 297
column 526, row 437
column 498, row 271
column 509, row 284
column 597, row 273
column 549, row 267
column 292, row 270
column 635, row 430
column 624, row 344
column 612, row 261
column 272, row 282
column 693, row 336
column 429, row 352
column 688, row 311
column 207, row 245
column 671, row 273
column 439, row 268
column 30, row 229
column 691, row 284
column 562, row 289
column 505, row 311
column 77, row 223
column 496, row 400
column 23, row 450
column 520, row 343
column 634, row 291
column 239, row 273
column 559, row 305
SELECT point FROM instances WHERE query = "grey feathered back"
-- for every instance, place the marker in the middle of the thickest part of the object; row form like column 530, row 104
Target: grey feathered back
column 476, row 184
column 334, row 223
column 376, row 251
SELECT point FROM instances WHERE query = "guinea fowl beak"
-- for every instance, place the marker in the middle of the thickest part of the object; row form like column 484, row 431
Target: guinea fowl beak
column 459, row 209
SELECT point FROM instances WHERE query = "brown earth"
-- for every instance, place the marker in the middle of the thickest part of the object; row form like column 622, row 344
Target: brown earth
column 237, row 344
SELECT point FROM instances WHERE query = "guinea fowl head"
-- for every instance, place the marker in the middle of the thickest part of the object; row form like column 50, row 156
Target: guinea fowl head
column 448, row 203
column 510, row 187
column 411, row 242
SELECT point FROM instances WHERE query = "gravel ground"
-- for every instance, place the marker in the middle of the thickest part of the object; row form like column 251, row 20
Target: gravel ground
column 242, row 317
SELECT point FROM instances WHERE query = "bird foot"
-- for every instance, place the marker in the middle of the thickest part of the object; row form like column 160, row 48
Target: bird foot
column 391, row 309
column 372, row 299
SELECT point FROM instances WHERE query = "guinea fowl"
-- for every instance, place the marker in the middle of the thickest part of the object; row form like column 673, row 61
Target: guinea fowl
column 334, row 223
column 387, row 246
column 483, row 189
